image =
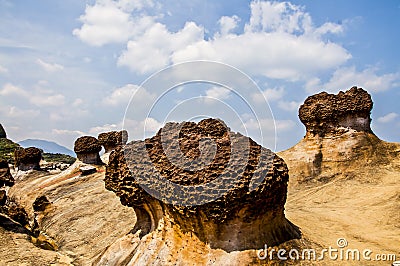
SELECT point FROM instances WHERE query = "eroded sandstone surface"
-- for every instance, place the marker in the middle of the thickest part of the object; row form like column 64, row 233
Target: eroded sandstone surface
column 28, row 158
column 325, row 113
column 113, row 139
column 242, row 217
column 87, row 150
column 344, row 180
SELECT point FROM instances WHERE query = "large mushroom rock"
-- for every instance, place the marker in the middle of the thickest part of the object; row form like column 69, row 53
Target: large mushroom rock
column 203, row 180
column 87, row 149
column 27, row 159
column 325, row 113
column 3, row 134
column 6, row 179
column 111, row 140
column 339, row 142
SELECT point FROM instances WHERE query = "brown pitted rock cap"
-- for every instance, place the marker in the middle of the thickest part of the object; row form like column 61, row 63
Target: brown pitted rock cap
column 226, row 178
column 323, row 112
column 87, row 144
column 113, row 138
column 29, row 155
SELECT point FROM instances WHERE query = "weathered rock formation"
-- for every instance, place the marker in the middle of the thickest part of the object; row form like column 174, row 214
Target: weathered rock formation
column 325, row 113
column 72, row 220
column 87, row 170
column 339, row 141
column 220, row 186
column 6, row 179
column 3, row 134
column 27, row 159
column 113, row 139
column 87, row 149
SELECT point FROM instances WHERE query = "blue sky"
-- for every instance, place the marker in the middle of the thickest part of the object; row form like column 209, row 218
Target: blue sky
column 69, row 68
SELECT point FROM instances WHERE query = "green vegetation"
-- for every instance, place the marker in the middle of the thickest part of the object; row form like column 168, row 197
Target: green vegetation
column 58, row 158
column 7, row 148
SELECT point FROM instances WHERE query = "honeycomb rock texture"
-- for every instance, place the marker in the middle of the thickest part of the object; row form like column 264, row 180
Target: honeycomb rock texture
column 325, row 113
column 6, row 179
column 222, row 167
column 87, row 149
column 27, row 159
column 110, row 140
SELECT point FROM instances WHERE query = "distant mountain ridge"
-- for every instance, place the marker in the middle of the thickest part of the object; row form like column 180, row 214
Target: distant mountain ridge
column 46, row 146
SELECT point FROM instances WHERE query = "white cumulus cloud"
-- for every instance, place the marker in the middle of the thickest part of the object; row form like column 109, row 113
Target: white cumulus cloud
column 49, row 67
column 155, row 48
column 122, row 95
column 347, row 77
column 228, row 24
column 289, row 105
column 109, row 21
column 48, row 100
column 271, row 94
column 10, row 89
column 390, row 117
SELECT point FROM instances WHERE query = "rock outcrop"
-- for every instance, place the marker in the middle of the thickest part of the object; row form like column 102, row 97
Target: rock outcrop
column 3, row 134
column 325, row 113
column 28, row 159
column 339, row 141
column 87, row 149
column 344, row 180
column 6, row 179
column 111, row 140
column 225, row 189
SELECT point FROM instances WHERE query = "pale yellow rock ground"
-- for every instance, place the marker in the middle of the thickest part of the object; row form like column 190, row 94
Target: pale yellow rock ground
column 353, row 194
column 356, row 196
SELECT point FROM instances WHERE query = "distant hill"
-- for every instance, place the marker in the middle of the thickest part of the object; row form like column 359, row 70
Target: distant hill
column 46, row 146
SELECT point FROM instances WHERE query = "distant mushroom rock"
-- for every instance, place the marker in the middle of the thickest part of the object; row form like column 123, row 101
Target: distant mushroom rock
column 28, row 159
column 87, row 149
column 224, row 189
column 3, row 133
column 6, row 179
column 339, row 141
column 111, row 140
column 325, row 113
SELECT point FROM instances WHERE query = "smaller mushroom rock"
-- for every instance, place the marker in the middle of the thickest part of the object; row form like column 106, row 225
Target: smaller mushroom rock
column 111, row 140
column 6, row 179
column 87, row 150
column 325, row 113
column 28, row 159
